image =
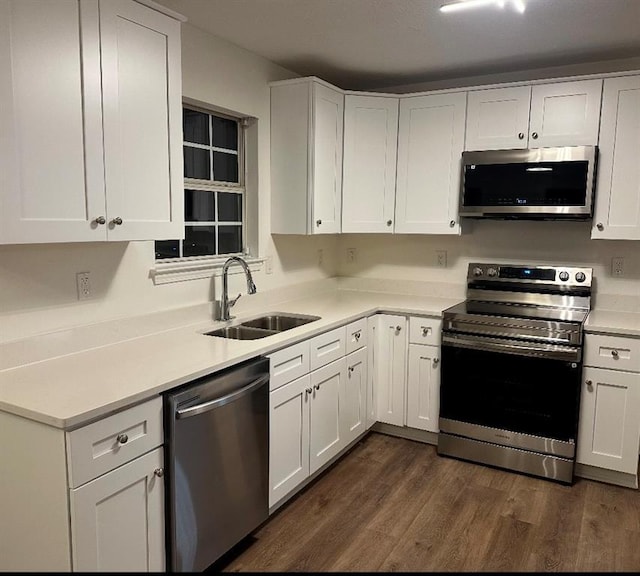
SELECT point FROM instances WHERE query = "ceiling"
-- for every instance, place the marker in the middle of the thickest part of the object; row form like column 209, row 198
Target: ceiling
column 364, row 44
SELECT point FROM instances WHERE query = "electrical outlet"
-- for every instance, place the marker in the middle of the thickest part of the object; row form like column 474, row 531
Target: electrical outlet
column 617, row 266
column 83, row 282
column 441, row 258
column 268, row 265
column 351, row 255
column 320, row 256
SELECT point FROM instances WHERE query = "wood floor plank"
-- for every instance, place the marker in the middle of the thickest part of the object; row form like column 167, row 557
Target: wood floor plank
column 392, row 504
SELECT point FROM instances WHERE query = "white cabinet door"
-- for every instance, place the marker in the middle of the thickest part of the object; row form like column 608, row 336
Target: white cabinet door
column 142, row 92
column 391, row 359
column 423, row 387
column 498, row 119
column 354, row 394
column 617, row 210
column 372, row 371
column 51, row 169
column 328, row 118
column 430, row 144
column 369, row 171
column 325, row 439
column 288, row 437
column 117, row 520
column 609, row 430
column 565, row 114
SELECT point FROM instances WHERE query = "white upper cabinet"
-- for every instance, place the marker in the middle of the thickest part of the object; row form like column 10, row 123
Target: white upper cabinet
column 617, row 209
column 72, row 73
column 307, row 117
column 369, row 172
column 557, row 114
column 430, row 144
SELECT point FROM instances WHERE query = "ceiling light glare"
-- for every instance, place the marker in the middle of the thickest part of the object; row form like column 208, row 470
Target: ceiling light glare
column 519, row 5
column 459, row 5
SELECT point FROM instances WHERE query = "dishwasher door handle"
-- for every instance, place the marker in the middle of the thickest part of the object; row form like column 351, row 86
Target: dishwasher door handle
column 212, row 404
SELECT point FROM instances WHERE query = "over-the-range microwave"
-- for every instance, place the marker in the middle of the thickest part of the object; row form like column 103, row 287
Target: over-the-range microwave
column 538, row 183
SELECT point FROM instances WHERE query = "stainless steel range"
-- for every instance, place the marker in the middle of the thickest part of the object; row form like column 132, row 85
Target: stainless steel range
column 511, row 368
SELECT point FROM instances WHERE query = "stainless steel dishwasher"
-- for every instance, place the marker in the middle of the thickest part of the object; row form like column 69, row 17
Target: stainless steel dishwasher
column 217, row 443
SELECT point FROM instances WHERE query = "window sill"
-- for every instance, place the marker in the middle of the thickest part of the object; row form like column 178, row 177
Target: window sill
column 181, row 271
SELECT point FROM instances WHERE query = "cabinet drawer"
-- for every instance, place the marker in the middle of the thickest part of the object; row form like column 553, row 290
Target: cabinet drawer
column 356, row 335
column 328, row 347
column 424, row 330
column 108, row 443
column 288, row 364
column 614, row 352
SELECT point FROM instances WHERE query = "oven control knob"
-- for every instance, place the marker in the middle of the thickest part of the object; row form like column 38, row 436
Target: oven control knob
column 564, row 275
column 580, row 277
column 492, row 272
column 477, row 271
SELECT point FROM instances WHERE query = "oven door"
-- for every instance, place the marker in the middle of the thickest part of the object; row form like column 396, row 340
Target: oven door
column 507, row 385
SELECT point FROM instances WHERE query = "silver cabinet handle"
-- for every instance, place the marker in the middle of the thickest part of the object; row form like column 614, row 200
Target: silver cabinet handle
column 100, row 220
column 117, row 221
column 600, row 226
column 436, row 361
column 356, row 335
column 122, row 438
column 452, row 223
column 398, row 328
column 589, row 383
column 389, row 222
column 318, row 222
column 534, row 135
column 317, row 387
column 159, row 472
column 521, row 135
column 351, row 369
column 308, row 391
column 425, row 331
column 615, row 354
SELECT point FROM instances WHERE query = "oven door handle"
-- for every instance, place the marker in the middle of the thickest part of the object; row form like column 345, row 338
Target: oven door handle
column 553, row 352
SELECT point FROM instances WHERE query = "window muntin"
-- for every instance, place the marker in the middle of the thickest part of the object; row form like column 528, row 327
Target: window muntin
column 214, row 188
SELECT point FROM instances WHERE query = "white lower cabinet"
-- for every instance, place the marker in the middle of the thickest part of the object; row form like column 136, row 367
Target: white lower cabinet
column 391, row 368
column 353, row 412
column 423, row 387
column 117, row 520
column 609, row 432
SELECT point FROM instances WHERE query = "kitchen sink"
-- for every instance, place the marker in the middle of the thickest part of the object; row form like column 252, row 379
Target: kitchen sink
column 241, row 333
column 279, row 322
column 263, row 326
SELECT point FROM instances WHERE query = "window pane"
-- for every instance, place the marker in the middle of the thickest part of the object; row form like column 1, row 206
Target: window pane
column 225, row 133
column 199, row 206
column 196, row 163
column 167, row 249
column 229, row 207
column 195, row 126
column 199, row 240
column 225, row 167
column 230, row 239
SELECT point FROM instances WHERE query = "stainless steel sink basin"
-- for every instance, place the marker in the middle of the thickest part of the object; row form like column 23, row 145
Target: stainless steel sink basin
column 241, row 333
column 279, row 322
column 263, row 326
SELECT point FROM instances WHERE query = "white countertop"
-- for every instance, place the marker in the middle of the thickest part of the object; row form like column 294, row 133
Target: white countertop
column 70, row 391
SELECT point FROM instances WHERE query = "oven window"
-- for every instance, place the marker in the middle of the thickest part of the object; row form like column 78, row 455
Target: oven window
column 524, row 394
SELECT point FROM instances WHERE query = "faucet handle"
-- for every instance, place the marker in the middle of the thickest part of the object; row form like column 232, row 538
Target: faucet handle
column 234, row 300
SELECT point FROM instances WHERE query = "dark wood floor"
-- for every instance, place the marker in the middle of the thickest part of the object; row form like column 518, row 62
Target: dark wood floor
column 395, row 505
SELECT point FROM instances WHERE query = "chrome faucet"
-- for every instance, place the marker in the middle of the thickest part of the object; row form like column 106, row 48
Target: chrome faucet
column 225, row 303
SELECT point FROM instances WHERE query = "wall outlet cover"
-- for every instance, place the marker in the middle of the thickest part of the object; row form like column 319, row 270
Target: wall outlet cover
column 351, row 255
column 83, row 283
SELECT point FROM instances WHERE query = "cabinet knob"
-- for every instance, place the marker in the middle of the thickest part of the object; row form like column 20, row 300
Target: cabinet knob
column 356, row 335
column 100, row 220
column 425, row 331
column 589, row 383
column 318, row 222
column 389, row 222
column 452, row 223
column 521, row 135
column 436, row 361
column 309, row 390
column 534, row 135
column 316, row 387
column 159, row 472
column 398, row 328
column 117, row 221
column 122, row 438
column 350, row 369
column 615, row 354
column 600, row 226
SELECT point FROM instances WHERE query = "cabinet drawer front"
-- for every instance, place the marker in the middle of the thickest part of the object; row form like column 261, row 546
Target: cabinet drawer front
column 356, row 335
column 614, row 352
column 112, row 441
column 424, row 330
column 288, row 364
column 328, row 347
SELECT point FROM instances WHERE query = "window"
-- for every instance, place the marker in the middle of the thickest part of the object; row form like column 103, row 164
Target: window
column 214, row 191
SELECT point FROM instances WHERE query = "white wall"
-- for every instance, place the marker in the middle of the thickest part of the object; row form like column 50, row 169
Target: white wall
column 413, row 257
column 38, row 282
